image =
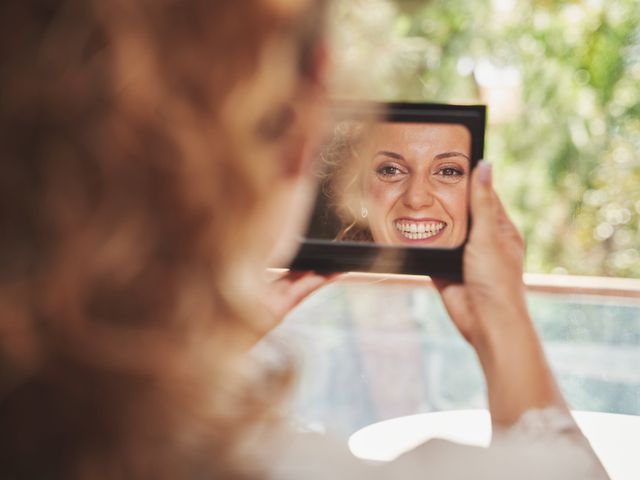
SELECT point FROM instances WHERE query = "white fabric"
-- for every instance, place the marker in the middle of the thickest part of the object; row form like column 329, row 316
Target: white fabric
column 543, row 444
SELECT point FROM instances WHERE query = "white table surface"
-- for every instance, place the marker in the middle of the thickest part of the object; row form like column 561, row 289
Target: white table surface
column 614, row 437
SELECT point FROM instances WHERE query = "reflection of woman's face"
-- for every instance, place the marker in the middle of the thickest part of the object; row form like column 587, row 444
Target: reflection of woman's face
column 416, row 188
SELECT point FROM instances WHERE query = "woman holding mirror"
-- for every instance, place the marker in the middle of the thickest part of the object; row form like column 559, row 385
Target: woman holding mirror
column 154, row 164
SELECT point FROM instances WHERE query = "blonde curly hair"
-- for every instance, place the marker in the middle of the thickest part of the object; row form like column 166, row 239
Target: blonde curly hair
column 342, row 178
column 132, row 134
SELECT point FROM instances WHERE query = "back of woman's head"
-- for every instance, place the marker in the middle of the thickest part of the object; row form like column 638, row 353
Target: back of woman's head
column 136, row 139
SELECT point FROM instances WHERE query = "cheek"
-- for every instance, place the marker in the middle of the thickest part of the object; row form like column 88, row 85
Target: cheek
column 382, row 196
column 380, row 199
column 455, row 201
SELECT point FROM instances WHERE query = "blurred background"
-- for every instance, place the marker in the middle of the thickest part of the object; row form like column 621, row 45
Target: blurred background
column 562, row 82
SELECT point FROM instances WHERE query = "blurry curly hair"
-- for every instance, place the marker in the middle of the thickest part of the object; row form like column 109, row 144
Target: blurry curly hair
column 132, row 134
column 342, row 179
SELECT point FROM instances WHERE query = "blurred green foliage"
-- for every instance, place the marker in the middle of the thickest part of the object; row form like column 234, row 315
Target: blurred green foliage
column 562, row 81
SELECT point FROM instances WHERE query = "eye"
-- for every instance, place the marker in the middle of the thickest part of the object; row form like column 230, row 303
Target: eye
column 389, row 172
column 276, row 124
column 450, row 173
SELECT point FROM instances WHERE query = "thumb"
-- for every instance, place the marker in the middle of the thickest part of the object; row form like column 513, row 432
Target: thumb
column 482, row 208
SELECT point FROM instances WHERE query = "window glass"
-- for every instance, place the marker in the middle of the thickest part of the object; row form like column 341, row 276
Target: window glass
column 378, row 350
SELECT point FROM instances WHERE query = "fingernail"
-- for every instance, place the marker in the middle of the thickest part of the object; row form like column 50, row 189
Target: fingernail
column 484, row 172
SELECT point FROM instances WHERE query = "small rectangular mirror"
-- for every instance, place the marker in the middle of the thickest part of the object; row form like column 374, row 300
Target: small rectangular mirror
column 394, row 189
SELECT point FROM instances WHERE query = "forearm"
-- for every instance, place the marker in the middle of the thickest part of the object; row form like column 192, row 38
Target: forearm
column 517, row 373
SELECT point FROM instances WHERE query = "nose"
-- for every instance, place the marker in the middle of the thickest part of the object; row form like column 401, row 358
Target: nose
column 418, row 193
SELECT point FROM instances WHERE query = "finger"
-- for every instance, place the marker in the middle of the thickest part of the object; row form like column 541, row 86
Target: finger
column 276, row 276
column 441, row 283
column 454, row 298
column 282, row 284
column 482, row 203
column 305, row 286
column 292, row 275
column 501, row 212
column 330, row 276
column 505, row 224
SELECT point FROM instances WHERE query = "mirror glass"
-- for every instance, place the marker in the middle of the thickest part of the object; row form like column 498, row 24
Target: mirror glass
column 394, row 183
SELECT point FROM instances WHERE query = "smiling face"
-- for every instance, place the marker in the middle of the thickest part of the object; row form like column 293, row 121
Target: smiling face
column 415, row 188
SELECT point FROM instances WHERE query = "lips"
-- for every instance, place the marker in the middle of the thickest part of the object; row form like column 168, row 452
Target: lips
column 418, row 229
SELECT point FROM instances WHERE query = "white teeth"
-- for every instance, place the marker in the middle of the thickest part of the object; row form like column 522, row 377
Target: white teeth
column 419, row 230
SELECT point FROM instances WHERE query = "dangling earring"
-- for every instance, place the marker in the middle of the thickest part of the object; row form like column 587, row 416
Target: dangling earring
column 364, row 212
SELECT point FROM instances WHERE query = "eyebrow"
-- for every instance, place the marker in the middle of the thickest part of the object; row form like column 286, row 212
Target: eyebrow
column 444, row 155
column 439, row 156
column 387, row 153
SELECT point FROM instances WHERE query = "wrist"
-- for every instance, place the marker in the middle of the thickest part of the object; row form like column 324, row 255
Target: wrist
column 500, row 324
column 517, row 373
column 506, row 339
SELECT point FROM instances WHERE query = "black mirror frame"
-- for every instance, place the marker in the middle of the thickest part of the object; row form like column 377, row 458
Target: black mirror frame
column 332, row 256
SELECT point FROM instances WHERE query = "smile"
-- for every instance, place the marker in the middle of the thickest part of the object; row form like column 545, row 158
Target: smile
column 419, row 230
